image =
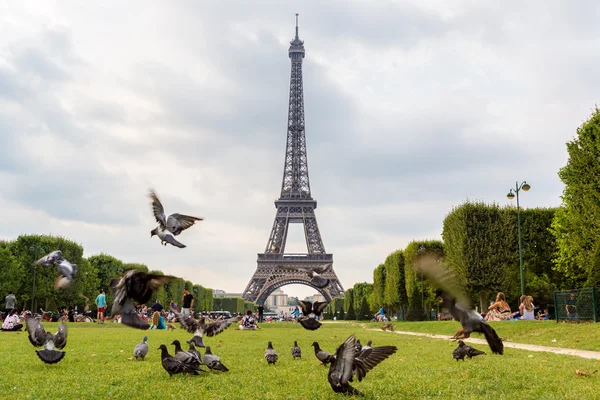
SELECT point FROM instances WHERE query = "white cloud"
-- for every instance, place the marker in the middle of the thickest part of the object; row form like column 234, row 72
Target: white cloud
column 410, row 109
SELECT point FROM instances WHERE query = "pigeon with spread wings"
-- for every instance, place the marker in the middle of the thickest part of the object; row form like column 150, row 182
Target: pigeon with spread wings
column 347, row 364
column 199, row 328
column 40, row 338
column 458, row 303
column 171, row 226
column 137, row 286
column 66, row 270
column 313, row 272
column 311, row 311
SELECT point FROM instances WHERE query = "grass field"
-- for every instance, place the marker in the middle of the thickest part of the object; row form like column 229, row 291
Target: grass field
column 97, row 367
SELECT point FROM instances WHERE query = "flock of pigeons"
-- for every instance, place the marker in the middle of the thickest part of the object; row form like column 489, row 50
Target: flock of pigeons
column 351, row 360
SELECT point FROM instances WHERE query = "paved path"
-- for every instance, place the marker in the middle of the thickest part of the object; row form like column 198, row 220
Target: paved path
column 521, row 346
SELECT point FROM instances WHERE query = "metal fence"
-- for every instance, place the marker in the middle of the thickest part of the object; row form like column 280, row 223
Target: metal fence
column 577, row 305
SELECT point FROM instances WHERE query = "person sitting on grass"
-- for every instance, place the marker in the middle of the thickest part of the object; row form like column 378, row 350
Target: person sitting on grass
column 499, row 310
column 543, row 316
column 158, row 321
column 248, row 322
column 526, row 308
column 12, row 322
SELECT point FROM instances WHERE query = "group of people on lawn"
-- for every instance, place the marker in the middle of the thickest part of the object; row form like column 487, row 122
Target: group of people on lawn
column 499, row 310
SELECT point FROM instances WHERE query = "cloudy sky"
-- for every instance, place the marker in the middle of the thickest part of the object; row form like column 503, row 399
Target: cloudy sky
column 411, row 108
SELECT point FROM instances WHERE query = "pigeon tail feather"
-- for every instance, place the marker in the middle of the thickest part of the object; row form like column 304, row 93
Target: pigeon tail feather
column 493, row 339
column 50, row 356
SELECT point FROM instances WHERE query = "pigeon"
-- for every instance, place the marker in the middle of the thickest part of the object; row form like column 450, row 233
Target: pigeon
column 213, row 362
column 368, row 345
column 270, row 354
column 322, row 355
column 463, row 350
column 314, row 273
column 346, row 364
column 141, row 349
column 310, row 312
column 296, row 351
column 459, row 304
column 174, row 366
column 192, row 350
column 185, row 356
column 199, row 328
column 169, row 227
column 134, row 285
column 40, row 338
column 66, row 270
column 358, row 346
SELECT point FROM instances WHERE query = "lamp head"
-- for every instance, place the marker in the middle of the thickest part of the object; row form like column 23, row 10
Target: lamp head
column 510, row 195
column 526, row 186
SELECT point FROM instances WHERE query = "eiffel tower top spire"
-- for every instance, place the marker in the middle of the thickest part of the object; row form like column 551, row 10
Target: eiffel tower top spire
column 296, row 185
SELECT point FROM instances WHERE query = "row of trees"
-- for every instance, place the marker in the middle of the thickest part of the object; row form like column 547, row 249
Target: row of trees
column 561, row 246
column 93, row 273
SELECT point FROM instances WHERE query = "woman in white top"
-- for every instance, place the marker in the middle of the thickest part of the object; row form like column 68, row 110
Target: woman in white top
column 526, row 308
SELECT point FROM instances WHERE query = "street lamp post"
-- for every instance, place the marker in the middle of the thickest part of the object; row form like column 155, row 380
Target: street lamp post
column 37, row 250
column 511, row 195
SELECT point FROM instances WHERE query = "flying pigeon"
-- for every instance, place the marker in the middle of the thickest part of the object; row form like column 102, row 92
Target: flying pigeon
column 311, row 311
column 458, row 304
column 296, row 351
column 199, row 328
column 40, row 338
column 314, row 273
column 174, row 366
column 463, row 351
column 270, row 354
column 169, row 227
column 368, row 346
column 66, row 270
column 212, row 361
column 322, row 355
column 134, row 285
column 141, row 349
column 346, row 364
column 185, row 356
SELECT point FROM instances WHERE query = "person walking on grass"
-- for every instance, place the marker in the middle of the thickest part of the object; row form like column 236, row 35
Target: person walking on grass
column 10, row 303
column 188, row 302
column 101, row 304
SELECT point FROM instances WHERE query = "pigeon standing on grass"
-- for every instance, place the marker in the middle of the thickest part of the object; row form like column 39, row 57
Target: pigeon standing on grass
column 296, row 351
column 458, row 303
column 346, row 364
column 322, row 355
column 310, row 312
column 185, row 356
column 40, row 338
column 141, row 349
column 270, row 354
column 314, row 273
column 192, row 350
column 171, row 226
column 174, row 366
column 463, row 351
column 213, row 362
column 134, row 285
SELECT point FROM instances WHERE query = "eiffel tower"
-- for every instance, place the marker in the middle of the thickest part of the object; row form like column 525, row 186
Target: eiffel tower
column 295, row 205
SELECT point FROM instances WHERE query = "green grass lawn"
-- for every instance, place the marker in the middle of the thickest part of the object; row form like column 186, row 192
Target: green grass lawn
column 583, row 336
column 97, row 367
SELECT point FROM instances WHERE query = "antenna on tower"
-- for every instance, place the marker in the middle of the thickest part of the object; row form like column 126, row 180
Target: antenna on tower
column 296, row 26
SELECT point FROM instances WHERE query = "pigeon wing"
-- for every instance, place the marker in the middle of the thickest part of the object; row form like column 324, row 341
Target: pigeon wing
column 319, row 306
column 369, row 358
column 344, row 361
column 444, row 279
column 60, row 338
column 172, row 241
column 50, row 258
column 306, row 307
column 158, row 210
column 36, row 332
column 217, row 327
column 179, row 222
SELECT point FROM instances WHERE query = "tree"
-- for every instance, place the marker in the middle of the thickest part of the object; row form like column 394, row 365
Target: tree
column 349, row 304
column 575, row 225
column 107, row 267
column 414, row 282
column 379, row 286
column 11, row 272
column 395, row 289
column 593, row 279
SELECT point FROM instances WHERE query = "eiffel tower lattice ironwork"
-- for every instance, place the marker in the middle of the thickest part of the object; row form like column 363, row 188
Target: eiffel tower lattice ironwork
column 295, row 205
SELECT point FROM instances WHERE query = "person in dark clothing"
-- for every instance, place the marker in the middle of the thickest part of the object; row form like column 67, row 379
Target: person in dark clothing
column 261, row 311
column 157, row 306
column 188, row 302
